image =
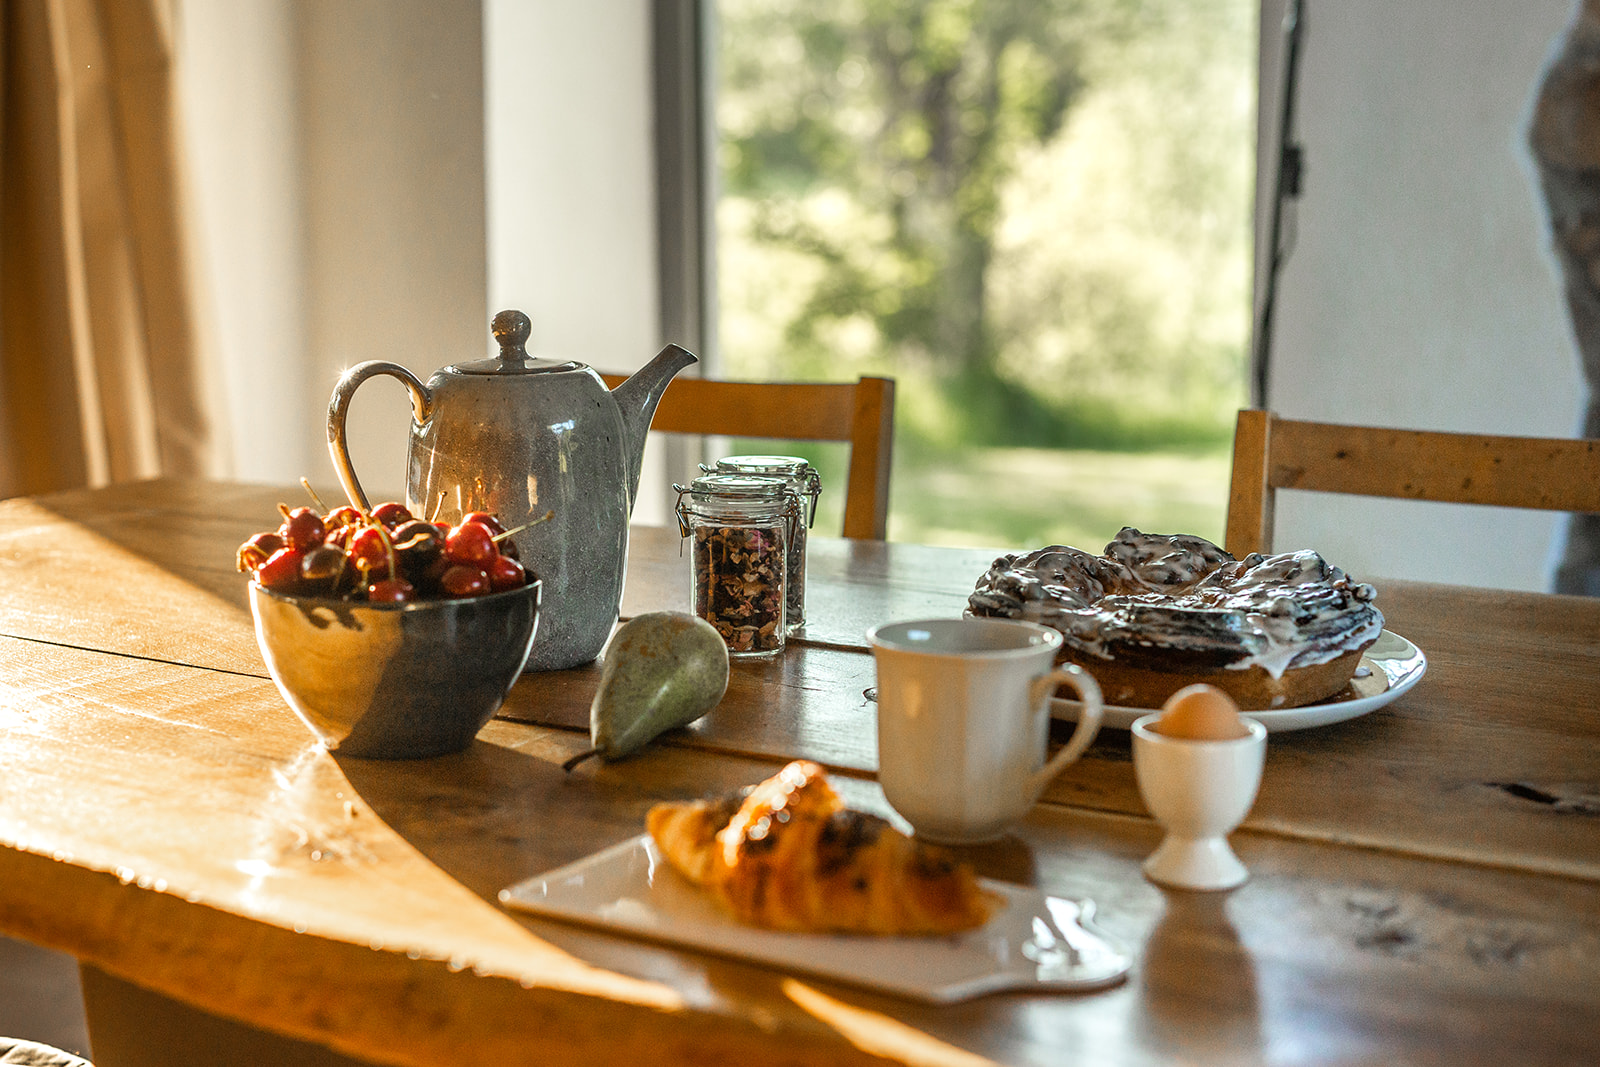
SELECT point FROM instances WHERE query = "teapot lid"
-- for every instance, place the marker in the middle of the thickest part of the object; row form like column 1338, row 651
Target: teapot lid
column 511, row 329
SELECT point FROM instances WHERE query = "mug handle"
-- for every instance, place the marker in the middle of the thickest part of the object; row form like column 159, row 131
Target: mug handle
column 1088, row 691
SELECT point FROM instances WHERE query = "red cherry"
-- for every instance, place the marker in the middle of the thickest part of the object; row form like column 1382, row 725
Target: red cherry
column 368, row 553
column 390, row 591
column 323, row 563
column 505, row 573
column 415, row 533
column 429, row 581
column 463, row 581
column 342, row 516
column 256, row 551
column 471, row 543
column 486, row 519
column 282, row 571
column 303, row 529
column 391, row 514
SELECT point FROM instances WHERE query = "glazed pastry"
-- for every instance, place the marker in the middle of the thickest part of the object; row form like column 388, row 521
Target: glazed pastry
column 788, row 855
column 687, row 832
column 1155, row 613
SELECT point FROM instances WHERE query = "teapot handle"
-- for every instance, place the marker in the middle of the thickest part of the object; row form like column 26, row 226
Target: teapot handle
column 339, row 406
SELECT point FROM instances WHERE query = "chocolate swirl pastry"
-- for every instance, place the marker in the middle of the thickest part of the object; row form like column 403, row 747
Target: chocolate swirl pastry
column 788, row 855
column 1155, row 613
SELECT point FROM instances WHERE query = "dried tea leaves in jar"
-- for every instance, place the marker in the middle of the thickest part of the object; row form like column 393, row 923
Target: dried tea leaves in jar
column 741, row 530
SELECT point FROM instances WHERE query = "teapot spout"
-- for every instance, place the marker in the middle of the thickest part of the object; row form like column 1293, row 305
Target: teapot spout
column 637, row 398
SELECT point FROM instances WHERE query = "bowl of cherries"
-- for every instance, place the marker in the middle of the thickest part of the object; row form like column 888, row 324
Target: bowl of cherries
column 391, row 637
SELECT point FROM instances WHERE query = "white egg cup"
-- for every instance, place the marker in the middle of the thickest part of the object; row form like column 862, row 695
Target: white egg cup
column 1199, row 791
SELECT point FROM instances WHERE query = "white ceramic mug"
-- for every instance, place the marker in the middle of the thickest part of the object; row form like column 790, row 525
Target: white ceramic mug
column 964, row 722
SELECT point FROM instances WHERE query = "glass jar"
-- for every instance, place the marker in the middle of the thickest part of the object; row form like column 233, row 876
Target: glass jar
column 804, row 481
column 740, row 530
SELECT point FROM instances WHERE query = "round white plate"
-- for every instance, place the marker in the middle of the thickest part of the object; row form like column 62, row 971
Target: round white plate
column 1388, row 668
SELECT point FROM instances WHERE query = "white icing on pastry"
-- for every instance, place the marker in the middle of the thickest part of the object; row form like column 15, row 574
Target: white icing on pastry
column 1152, row 594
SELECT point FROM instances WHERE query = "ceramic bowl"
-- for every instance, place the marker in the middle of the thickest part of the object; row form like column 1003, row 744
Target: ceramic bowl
column 395, row 681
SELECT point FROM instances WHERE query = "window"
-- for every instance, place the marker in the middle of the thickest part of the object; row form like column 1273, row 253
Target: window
column 1034, row 216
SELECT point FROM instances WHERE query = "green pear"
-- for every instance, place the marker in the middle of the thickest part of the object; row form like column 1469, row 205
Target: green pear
column 662, row 670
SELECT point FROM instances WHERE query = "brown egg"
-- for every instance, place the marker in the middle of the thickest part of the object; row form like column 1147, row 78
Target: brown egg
column 1201, row 713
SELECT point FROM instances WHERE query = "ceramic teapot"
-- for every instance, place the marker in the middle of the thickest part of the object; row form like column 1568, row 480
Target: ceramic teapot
column 519, row 436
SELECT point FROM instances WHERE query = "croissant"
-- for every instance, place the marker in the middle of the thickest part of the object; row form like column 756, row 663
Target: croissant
column 788, row 855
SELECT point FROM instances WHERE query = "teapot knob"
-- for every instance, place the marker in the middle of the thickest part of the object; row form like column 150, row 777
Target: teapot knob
column 511, row 329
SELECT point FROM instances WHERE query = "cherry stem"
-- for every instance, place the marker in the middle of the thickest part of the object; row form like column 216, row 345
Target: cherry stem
column 546, row 517
column 579, row 758
column 388, row 548
column 312, row 493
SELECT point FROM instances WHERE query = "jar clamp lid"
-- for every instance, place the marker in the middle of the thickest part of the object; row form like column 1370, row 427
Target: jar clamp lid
column 804, row 477
column 738, row 495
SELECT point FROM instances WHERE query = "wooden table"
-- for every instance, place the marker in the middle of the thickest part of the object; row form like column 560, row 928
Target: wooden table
column 1425, row 880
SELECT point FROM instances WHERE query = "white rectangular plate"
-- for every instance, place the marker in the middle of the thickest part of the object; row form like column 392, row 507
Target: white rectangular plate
column 1035, row 942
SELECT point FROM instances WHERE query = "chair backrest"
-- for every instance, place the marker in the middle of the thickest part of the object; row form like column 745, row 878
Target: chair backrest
column 1271, row 453
column 860, row 413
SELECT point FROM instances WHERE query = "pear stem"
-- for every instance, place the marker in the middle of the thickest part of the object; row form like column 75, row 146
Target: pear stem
column 579, row 758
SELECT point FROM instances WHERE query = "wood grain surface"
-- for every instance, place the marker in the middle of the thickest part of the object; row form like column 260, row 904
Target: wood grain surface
column 1271, row 453
column 1424, row 879
column 1484, row 760
column 361, row 894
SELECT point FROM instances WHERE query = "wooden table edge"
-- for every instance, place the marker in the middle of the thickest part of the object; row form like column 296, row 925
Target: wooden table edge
column 135, row 933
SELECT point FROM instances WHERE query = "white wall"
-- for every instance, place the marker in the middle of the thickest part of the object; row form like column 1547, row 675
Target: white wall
column 1420, row 291
column 571, row 190
column 337, row 155
column 363, row 196
column 391, row 109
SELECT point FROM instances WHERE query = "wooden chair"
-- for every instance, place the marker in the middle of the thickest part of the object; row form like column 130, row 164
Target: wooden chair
column 1271, row 453
column 860, row 413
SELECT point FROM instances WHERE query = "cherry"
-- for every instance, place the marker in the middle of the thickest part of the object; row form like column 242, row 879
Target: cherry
column 342, row 516
column 391, row 591
column 471, row 543
column 367, row 551
column 282, row 571
column 303, row 528
column 506, row 573
column 384, row 556
column 323, row 566
column 463, row 581
column 418, row 536
column 256, row 551
column 391, row 514
column 486, row 519
column 417, row 544
column 431, row 576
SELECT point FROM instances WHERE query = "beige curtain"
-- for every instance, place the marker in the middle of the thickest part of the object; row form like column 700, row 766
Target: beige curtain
column 101, row 374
